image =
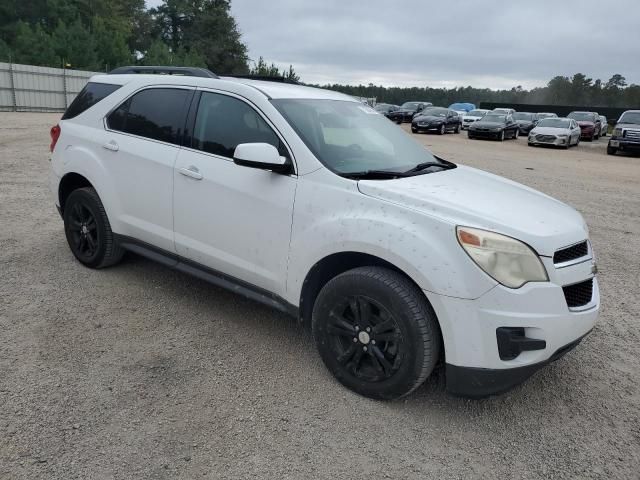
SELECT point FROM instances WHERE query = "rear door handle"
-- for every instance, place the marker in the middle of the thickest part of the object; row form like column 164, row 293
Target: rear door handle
column 111, row 145
column 191, row 172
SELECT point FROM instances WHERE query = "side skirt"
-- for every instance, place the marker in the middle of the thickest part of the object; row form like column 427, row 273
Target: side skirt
column 207, row 274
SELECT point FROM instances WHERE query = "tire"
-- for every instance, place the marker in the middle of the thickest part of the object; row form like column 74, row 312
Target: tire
column 366, row 305
column 501, row 137
column 530, row 144
column 457, row 130
column 442, row 130
column 611, row 150
column 88, row 230
column 471, row 137
column 414, row 130
column 516, row 133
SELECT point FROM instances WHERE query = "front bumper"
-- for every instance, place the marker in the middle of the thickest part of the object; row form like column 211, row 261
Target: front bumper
column 485, row 134
column 474, row 382
column 624, row 144
column 557, row 142
column 469, row 327
column 425, row 128
column 588, row 134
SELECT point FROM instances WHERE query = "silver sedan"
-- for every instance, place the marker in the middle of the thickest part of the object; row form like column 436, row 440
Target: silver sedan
column 558, row 132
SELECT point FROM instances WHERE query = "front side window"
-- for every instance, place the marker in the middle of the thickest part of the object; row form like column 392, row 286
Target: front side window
column 224, row 122
column 155, row 113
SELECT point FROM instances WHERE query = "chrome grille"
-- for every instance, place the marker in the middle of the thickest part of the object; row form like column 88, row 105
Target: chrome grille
column 633, row 134
column 546, row 138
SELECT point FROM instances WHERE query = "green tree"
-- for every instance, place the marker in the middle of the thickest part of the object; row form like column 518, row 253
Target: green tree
column 33, row 46
column 75, row 45
column 111, row 47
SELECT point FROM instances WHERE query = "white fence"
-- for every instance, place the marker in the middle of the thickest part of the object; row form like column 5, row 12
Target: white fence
column 25, row 88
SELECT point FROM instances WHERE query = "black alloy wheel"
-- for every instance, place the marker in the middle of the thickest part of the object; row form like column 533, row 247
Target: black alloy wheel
column 376, row 332
column 88, row 230
column 442, row 130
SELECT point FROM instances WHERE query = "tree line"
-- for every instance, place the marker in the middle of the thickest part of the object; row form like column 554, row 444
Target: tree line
column 103, row 34
column 560, row 90
column 100, row 35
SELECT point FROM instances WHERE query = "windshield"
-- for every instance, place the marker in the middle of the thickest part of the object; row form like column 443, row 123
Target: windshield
column 523, row 116
column 582, row 116
column 410, row 105
column 630, row 117
column 546, row 115
column 493, row 117
column 348, row 138
column 435, row 112
column 476, row 113
column 554, row 123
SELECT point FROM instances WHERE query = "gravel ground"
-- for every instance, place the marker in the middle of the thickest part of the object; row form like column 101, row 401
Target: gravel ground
column 140, row 372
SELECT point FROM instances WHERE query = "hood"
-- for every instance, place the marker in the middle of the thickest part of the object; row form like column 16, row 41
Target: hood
column 470, row 117
column 483, row 124
column 550, row 131
column 470, row 197
column 429, row 118
column 585, row 123
column 405, row 110
column 524, row 122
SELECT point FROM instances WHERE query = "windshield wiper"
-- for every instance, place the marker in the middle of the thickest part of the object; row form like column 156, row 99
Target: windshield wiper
column 422, row 166
column 374, row 175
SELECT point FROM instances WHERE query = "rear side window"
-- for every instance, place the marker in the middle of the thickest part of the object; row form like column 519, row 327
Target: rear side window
column 91, row 94
column 155, row 113
column 224, row 122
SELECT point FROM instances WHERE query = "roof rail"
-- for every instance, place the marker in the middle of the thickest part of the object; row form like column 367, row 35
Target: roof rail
column 164, row 70
column 265, row 78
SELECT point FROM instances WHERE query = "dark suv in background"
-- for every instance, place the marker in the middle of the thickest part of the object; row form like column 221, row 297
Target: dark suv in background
column 407, row 111
column 626, row 133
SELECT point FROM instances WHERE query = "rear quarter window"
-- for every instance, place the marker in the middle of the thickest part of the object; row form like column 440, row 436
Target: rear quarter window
column 91, row 94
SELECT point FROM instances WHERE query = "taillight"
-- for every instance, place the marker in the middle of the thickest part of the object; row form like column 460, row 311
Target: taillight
column 55, row 135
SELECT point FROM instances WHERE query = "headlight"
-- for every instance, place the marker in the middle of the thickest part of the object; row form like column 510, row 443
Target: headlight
column 617, row 132
column 496, row 129
column 505, row 259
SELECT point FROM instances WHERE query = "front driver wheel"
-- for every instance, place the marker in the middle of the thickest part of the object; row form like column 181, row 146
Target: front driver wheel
column 442, row 130
column 516, row 134
column 88, row 231
column 376, row 332
column 611, row 150
column 501, row 136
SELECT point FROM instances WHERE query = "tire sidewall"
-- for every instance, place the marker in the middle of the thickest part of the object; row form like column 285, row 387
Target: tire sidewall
column 403, row 379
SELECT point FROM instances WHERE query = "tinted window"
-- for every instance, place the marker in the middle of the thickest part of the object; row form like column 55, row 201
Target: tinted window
column 156, row 113
column 91, row 94
column 225, row 122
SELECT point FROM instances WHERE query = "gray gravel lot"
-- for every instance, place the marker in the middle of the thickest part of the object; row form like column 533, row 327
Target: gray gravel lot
column 140, row 372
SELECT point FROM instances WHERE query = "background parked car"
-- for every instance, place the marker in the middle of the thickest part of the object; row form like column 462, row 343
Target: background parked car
column 385, row 108
column 605, row 126
column 407, row 110
column 560, row 132
column 540, row 115
column 589, row 123
column 509, row 111
column 495, row 125
column 626, row 134
column 437, row 119
column 462, row 107
column 525, row 120
column 472, row 116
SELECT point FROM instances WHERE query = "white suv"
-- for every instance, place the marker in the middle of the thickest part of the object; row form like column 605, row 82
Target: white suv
column 312, row 202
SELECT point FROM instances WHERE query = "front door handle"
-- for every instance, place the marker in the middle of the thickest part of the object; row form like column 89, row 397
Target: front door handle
column 111, row 145
column 191, row 172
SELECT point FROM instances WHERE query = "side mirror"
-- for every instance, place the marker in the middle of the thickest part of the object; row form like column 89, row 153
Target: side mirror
column 260, row 155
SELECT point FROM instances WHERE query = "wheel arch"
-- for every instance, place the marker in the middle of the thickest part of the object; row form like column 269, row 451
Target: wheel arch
column 68, row 183
column 336, row 263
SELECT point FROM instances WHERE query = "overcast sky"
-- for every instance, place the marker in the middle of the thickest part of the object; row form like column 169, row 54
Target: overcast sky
column 447, row 43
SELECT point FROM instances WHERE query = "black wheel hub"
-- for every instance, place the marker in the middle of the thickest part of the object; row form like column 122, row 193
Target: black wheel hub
column 365, row 338
column 83, row 231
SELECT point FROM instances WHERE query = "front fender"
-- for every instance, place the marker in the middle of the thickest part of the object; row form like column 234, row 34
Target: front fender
column 423, row 247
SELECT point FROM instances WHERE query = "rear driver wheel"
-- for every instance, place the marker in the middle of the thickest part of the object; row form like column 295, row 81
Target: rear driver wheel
column 88, row 230
column 376, row 332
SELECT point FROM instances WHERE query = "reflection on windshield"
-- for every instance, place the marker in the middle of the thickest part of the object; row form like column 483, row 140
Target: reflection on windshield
column 434, row 112
column 347, row 137
column 410, row 105
column 493, row 118
column 523, row 116
column 582, row 117
column 630, row 117
column 553, row 123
